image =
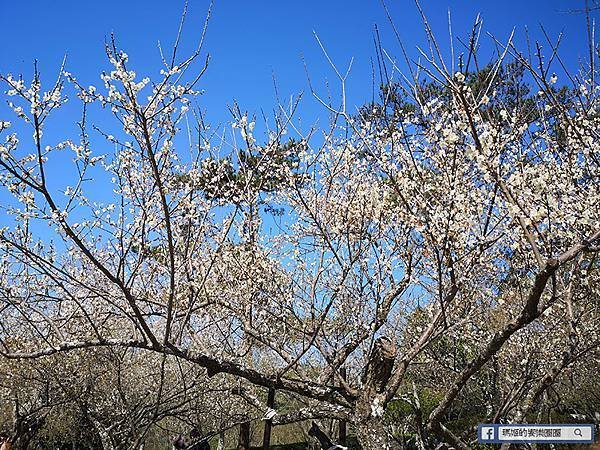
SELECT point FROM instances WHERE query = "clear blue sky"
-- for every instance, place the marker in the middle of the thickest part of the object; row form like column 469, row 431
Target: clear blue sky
column 251, row 41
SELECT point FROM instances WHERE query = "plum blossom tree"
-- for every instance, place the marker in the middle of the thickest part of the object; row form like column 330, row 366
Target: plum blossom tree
column 451, row 240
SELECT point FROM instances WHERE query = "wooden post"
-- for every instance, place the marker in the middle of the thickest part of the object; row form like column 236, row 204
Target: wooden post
column 244, row 439
column 269, row 422
column 343, row 431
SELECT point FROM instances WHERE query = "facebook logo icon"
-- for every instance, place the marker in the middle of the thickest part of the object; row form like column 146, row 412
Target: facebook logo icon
column 487, row 433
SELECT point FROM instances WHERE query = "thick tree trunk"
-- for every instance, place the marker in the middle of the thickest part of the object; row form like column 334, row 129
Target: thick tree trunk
column 342, row 431
column 244, row 438
column 372, row 435
column 370, row 407
column 380, row 365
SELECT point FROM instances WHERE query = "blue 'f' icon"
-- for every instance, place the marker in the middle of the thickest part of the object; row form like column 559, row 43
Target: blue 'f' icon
column 487, row 433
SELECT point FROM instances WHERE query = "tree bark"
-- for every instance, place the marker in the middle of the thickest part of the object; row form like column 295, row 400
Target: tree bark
column 373, row 435
column 342, row 431
column 221, row 443
column 244, row 438
column 368, row 420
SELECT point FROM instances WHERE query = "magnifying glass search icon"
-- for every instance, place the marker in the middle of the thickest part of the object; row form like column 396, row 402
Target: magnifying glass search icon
column 578, row 432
